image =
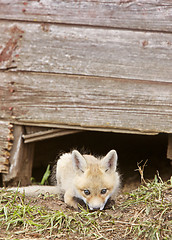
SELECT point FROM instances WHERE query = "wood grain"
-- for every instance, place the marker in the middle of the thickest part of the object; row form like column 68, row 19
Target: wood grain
column 131, row 14
column 21, row 160
column 141, row 106
column 4, row 146
column 169, row 148
column 44, row 135
column 86, row 51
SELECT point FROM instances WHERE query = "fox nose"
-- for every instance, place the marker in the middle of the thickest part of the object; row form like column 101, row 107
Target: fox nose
column 95, row 208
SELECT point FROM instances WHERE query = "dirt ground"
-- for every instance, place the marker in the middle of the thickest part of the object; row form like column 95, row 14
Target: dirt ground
column 115, row 222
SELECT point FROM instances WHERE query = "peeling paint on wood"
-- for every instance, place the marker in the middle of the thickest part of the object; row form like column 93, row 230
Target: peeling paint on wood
column 8, row 52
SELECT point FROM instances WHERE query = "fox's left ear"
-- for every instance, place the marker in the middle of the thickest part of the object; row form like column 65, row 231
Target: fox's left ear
column 109, row 162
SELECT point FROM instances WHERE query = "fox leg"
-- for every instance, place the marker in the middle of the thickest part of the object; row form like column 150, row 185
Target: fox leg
column 69, row 199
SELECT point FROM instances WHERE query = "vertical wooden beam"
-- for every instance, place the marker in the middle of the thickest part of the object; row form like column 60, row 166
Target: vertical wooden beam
column 21, row 160
column 169, row 149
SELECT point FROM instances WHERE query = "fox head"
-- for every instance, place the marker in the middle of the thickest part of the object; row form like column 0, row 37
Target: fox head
column 95, row 179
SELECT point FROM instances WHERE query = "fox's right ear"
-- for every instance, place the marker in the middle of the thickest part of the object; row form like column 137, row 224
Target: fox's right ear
column 78, row 161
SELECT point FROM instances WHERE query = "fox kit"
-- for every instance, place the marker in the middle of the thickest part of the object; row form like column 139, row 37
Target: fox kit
column 94, row 180
column 88, row 178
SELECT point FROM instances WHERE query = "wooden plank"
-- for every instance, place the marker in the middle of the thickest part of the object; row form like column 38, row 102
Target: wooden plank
column 84, row 128
column 43, row 135
column 169, row 149
column 5, row 145
column 21, row 159
column 86, row 51
column 131, row 14
column 141, row 106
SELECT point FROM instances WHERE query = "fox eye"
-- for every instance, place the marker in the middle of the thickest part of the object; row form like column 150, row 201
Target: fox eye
column 87, row 192
column 103, row 191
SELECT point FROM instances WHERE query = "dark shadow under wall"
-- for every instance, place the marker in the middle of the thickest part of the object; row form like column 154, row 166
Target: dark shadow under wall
column 131, row 150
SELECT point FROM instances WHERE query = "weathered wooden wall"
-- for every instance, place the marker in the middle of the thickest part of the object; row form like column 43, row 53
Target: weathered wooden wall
column 86, row 64
column 143, row 106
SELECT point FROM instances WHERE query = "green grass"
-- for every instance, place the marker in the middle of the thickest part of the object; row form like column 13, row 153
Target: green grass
column 145, row 213
column 153, row 192
column 44, row 180
column 153, row 218
column 17, row 213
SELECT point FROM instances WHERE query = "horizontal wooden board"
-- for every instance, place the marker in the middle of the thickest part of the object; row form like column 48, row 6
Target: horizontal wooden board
column 86, row 51
column 44, row 135
column 124, row 105
column 4, row 146
column 131, row 14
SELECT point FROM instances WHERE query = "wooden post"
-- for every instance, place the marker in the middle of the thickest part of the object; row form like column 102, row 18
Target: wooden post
column 21, row 160
column 169, row 149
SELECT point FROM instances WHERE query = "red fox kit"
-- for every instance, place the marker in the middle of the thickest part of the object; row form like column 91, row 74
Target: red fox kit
column 94, row 180
column 88, row 178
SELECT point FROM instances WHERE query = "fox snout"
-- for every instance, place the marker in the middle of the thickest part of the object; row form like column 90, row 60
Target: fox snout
column 96, row 203
column 95, row 208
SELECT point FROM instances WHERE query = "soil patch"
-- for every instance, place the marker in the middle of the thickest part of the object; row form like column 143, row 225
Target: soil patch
column 144, row 213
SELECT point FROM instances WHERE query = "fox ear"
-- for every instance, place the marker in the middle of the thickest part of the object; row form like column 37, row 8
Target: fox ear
column 78, row 161
column 109, row 162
